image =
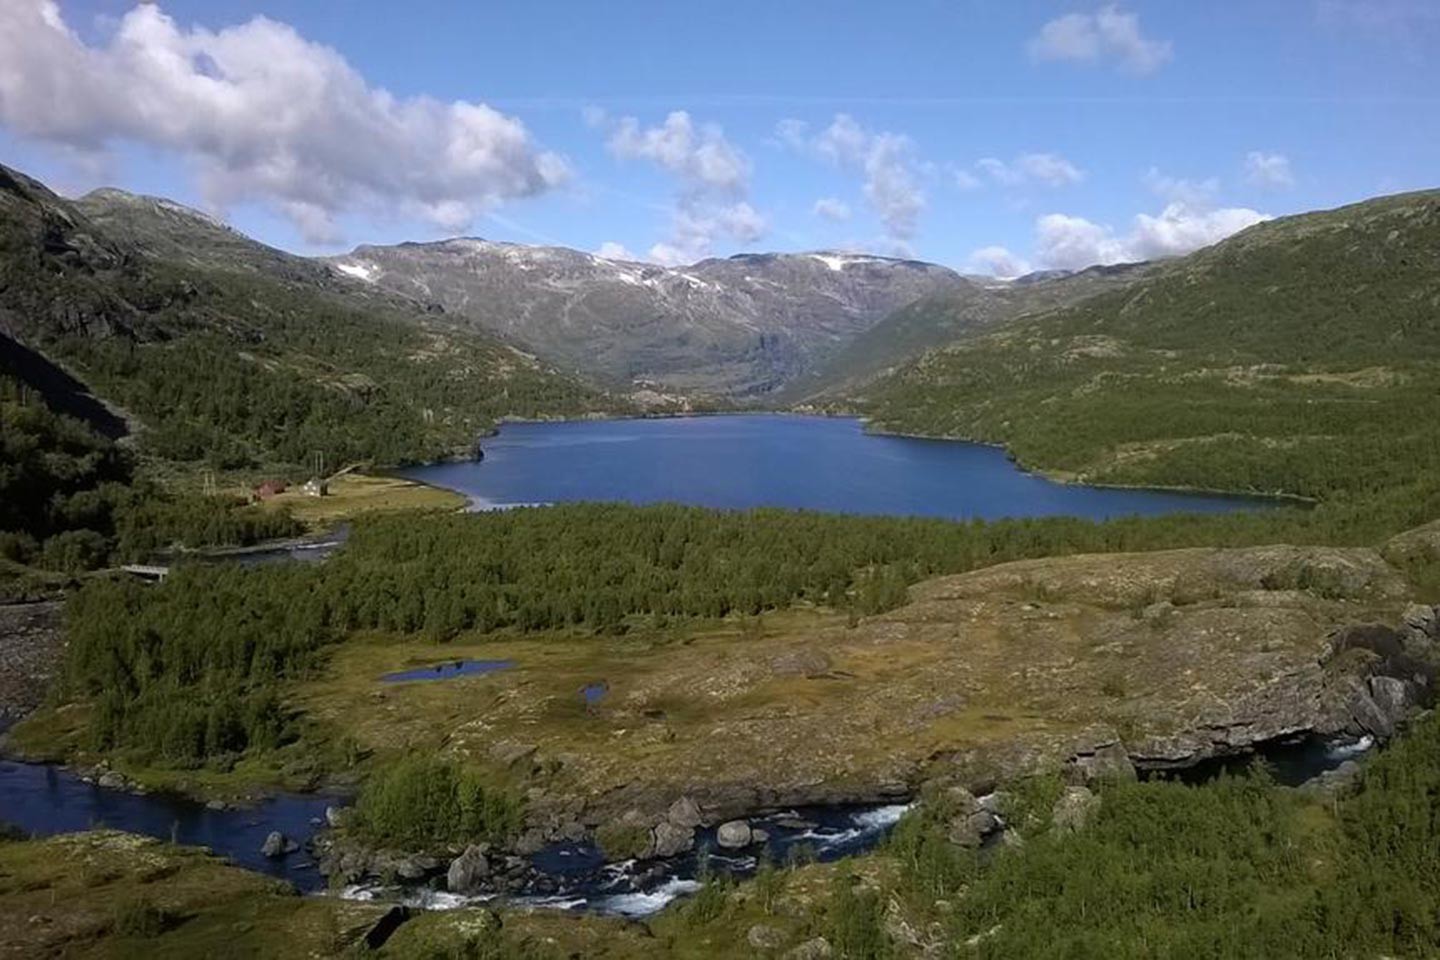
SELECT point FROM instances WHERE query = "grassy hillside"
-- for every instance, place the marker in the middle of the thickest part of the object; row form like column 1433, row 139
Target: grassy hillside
column 937, row 320
column 236, row 355
column 1300, row 356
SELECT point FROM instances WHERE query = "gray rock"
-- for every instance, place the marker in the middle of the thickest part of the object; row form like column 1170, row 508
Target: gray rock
column 335, row 816
column 411, row 868
column 1074, row 809
column 467, row 870
column 672, row 839
column 816, row 949
column 1392, row 696
column 111, row 780
column 805, row 662
column 1422, row 628
column 275, row 845
column 531, row 841
column 684, row 813
column 970, row 830
column 734, row 834
column 1108, row 764
column 763, row 937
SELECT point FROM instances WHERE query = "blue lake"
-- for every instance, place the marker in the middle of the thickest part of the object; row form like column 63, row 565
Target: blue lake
column 777, row 460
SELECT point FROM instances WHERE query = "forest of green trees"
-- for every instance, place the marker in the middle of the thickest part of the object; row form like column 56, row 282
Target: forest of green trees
column 195, row 667
column 71, row 501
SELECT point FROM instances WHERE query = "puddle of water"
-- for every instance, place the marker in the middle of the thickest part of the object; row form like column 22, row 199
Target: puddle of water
column 448, row 670
column 594, row 692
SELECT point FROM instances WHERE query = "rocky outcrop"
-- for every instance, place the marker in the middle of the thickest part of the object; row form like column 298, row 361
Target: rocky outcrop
column 971, row 822
column 1074, row 809
column 468, row 870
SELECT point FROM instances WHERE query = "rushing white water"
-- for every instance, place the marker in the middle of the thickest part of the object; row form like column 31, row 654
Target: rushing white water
column 1346, row 750
column 628, row 888
column 643, row 904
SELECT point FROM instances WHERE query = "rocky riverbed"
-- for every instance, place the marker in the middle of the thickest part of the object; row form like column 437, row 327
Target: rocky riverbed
column 31, row 645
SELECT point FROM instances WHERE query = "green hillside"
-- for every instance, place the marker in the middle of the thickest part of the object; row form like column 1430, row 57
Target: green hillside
column 235, row 355
column 1301, row 356
column 940, row 319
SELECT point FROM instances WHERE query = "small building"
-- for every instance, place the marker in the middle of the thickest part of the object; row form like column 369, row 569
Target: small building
column 269, row 488
column 316, row 487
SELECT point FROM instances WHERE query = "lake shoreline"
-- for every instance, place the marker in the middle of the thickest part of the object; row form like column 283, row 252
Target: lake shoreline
column 918, row 504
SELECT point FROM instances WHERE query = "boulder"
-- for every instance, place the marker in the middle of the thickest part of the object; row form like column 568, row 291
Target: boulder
column 763, row 937
column 467, row 870
column 1108, row 764
column 111, row 780
column 1421, row 629
column 275, row 845
column 684, row 813
column 335, row 816
column 672, row 839
column 1074, row 809
column 734, row 834
column 817, row 949
column 970, row 830
column 531, row 841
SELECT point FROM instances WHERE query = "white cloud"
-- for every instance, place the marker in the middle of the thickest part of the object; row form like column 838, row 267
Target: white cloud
column 1268, row 169
column 1107, row 34
column 1071, row 243
column 1193, row 193
column 263, row 114
column 611, row 250
column 699, row 156
column 712, row 176
column 1180, row 229
column 964, row 179
column 885, row 160
column 829, row 208
column 997, row 261
column 1047, row 169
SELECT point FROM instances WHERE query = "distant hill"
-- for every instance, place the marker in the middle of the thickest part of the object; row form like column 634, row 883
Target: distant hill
column 941, row 318
column 745, row 326
column 1301, row 355
column 236, row 354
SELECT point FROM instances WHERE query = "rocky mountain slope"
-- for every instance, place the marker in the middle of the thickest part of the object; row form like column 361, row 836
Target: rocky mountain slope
column 234, row 353
column 742, row 326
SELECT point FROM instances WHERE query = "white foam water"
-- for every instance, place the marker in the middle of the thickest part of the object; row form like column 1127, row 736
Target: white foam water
column 644, row 904
column 1346, row 750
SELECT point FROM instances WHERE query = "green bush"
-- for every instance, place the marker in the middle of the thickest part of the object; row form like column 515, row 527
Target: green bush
column 420, row 800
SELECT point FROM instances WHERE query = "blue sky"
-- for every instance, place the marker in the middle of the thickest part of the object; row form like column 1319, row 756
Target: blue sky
column 992, row 135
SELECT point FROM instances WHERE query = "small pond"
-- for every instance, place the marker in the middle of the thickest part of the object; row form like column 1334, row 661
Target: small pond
column 449, row 670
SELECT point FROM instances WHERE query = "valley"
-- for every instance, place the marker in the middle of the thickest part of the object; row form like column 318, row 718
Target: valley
column 846, row 702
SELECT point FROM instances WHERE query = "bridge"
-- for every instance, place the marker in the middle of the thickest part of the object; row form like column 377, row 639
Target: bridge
column 147, row 571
